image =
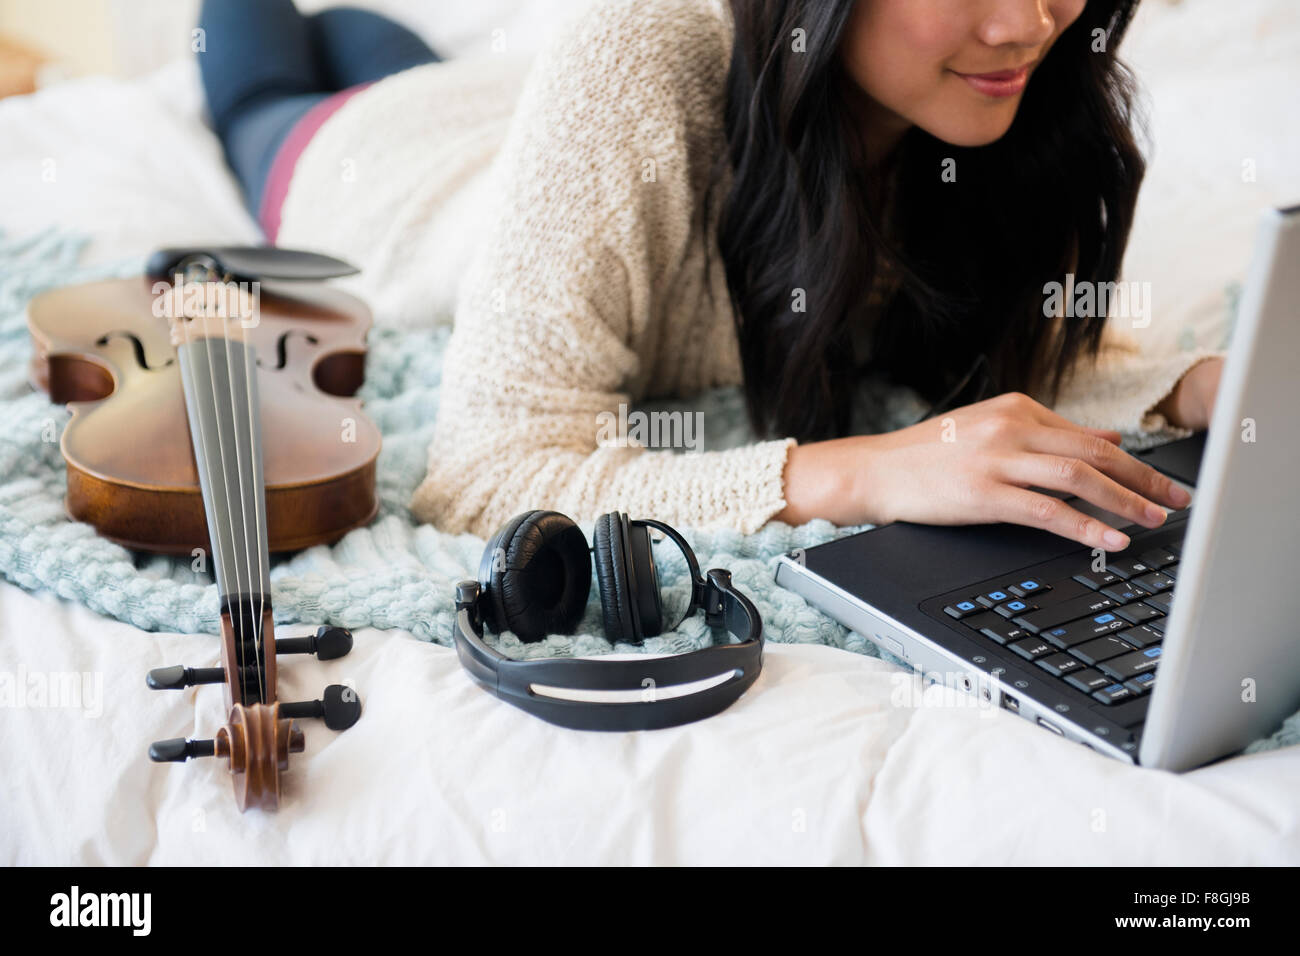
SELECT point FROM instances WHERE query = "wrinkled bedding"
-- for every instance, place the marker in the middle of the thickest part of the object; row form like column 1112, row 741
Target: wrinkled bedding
column 833, row 756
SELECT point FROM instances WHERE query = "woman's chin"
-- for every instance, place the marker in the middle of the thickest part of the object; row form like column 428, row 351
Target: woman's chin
column 972, row 130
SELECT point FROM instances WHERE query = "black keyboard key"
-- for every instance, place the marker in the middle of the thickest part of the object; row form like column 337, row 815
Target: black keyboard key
column 1028, row 587
column 1157, row 558
column 1141, row 636
column 1132, row 713
column 1161, row 601
column 1130, row 665
column 1113, row 694
column 1103, row 648
column 981, row 620
column 997, row 628
column 1142, row 683
column 1088, row 680
column 1032, row 648
column 1098, row 579
column 1015, row 607
column 1070, row 610
column 962, row 609
column 993, row 598
column 1127, row 567
column 1137, row 613
column 1171, row 570
column 1175, row 548
column 1124, row 592
column 1157, row 624
column 1154, row 582
column 1059, row 664
column 1066, row 636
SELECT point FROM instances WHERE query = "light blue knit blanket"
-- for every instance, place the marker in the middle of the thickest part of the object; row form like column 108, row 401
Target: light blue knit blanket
column 394, row 573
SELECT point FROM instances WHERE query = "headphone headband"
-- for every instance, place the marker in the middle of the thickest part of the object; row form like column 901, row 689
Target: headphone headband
column 513, row 680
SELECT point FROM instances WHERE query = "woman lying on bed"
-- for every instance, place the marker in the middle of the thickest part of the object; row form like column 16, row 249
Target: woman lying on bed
column 790, row 195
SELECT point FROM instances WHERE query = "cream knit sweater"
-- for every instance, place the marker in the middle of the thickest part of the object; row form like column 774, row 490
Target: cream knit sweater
column 564, row 189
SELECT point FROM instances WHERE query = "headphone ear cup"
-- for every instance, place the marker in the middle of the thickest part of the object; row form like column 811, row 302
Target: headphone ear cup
column 490, row 567
column 645, row 575
column 538, row 577
column 611, row 579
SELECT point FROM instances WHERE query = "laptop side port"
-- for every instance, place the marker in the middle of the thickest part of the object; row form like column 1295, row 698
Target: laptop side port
column 1011, row 703
column 1051, row 726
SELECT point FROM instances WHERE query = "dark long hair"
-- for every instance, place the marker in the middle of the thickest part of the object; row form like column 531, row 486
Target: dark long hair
column 970, row 258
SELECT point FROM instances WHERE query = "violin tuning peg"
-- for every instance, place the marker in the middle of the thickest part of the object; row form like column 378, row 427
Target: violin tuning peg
column 179, row 677
column 328, row 643
column 339, row 707
column 179, row 750
column 332, row 642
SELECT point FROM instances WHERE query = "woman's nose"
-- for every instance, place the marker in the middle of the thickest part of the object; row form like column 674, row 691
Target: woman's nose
column 1026, row 23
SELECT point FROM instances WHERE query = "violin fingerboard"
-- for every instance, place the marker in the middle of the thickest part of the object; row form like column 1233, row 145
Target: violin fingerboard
column 220, row 381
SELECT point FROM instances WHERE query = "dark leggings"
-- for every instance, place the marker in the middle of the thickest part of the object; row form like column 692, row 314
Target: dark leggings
column 264, row 65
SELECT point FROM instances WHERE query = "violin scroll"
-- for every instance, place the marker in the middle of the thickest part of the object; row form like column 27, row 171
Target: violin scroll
column 258, row 737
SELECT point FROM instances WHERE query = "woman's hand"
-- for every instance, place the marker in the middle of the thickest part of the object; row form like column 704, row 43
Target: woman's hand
column 976, row 465
column 1191, row 403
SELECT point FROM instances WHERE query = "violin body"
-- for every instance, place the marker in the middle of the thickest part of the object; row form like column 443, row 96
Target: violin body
column 207, row 417
column 104, row 349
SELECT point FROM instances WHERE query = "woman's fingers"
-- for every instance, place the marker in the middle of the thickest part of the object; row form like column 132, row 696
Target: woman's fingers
column 1110, row 460
column 1045, row 416
column 1062, row 473
column 1021, row 506
column 1109, row 434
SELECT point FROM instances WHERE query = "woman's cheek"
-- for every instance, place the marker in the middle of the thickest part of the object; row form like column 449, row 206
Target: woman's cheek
column 1065, row 12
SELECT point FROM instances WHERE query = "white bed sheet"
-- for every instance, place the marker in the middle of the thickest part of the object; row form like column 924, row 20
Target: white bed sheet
column 817, row 764
column 825, row 760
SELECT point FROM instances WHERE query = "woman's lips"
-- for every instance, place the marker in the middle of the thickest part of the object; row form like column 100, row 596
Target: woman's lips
column 1000, row 84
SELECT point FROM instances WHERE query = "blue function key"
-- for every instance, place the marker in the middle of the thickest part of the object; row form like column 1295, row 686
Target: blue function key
column 1125, row 592
column 1112, row 694
column 1028, row 587
column 1142, row 683
column 993, row 598
column 1154, row 582
column 1066, row 636
column 962, row 609
column 1014, row 607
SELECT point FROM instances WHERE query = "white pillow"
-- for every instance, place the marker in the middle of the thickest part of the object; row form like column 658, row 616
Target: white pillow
column 1220, row 83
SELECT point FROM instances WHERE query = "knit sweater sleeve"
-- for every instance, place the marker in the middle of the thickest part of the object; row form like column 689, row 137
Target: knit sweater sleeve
column 557, row 310
column 1122, row 387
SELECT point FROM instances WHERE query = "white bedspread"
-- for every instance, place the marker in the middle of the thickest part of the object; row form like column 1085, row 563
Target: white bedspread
column 823, row 761
column 830, row 758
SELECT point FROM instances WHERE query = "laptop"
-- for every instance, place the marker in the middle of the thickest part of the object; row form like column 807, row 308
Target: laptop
column 1177, row 651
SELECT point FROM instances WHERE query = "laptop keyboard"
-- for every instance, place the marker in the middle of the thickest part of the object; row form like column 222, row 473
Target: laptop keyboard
column 1098, row 630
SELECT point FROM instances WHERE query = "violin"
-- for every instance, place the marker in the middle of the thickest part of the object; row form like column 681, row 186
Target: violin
column 212, row 413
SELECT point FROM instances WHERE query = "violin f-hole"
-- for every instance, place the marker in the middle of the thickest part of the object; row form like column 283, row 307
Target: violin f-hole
column 282, row 348
column 137, row 346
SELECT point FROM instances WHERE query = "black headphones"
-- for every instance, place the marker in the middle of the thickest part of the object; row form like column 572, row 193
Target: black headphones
column 534, row 578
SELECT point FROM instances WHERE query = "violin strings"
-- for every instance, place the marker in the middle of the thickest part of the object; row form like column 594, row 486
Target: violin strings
column 243, row 504
column 259, row 500
column 240, row 660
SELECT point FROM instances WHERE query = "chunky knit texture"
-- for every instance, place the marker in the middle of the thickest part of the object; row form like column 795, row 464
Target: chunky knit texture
column 394, row 573
column 589, row 280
